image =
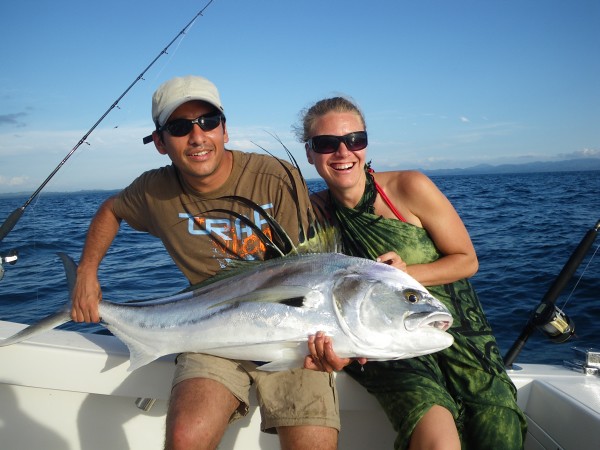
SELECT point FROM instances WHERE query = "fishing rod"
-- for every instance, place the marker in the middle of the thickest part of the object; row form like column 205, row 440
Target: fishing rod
column 547, row 317
column 14, row 217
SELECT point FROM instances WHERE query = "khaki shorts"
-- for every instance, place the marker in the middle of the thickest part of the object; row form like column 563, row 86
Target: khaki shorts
column 288, row 398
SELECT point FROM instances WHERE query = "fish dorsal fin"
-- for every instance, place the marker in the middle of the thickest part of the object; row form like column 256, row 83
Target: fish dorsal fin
column 318, row 238
column 281, row 242
column 295, row 188
column 323, row 239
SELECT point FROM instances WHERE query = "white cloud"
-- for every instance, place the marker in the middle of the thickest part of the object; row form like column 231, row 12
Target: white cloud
column 583, row 153
column 14, row 181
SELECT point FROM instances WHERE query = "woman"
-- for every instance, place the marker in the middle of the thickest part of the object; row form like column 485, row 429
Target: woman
column 460, row 397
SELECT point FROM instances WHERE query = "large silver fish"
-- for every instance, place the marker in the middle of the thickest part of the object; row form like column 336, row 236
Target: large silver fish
column 267, row 311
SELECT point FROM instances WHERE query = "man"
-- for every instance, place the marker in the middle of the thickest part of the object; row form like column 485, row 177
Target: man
column 174, row 203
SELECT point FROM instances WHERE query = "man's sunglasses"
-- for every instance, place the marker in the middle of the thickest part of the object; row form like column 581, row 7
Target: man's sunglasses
column 183, row 127
column 329, row 144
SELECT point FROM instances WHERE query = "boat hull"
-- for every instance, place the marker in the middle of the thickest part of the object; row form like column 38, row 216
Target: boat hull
column 70, row 390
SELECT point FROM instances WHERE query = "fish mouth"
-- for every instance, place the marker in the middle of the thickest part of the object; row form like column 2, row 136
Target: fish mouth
column 439, row 320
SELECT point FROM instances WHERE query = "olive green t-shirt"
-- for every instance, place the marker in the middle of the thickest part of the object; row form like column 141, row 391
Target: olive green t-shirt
column 200, row 240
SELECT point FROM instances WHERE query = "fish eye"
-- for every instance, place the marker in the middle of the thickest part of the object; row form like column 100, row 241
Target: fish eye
column 412, row 296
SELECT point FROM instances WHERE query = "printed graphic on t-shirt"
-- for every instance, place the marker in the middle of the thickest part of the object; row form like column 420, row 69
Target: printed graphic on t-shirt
column 231, row 236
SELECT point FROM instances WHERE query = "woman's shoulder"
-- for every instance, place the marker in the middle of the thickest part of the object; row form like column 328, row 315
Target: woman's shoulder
column 403, row 180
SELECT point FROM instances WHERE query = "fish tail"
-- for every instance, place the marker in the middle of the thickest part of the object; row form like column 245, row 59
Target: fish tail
column 53, row 320
column 70, row 271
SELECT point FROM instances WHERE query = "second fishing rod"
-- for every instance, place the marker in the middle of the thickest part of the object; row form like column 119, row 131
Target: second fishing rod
column 14, row 217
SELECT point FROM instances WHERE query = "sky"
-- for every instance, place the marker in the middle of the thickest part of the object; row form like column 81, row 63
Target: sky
column 442, row 83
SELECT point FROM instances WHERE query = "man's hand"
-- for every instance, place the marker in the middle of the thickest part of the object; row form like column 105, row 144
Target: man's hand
column 86, row 297
column 322, row 357
column 87, row 293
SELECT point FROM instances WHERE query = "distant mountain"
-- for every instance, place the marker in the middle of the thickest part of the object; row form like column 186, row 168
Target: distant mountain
column 570, row 165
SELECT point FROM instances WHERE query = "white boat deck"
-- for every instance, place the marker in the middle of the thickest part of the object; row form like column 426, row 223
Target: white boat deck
column 68, row 390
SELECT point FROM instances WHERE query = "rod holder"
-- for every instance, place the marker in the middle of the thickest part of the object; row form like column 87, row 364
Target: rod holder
column 145, row 404
column 10, row 258
column 586, row 361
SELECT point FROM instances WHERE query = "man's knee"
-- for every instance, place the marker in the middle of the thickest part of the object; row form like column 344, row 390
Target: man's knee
column 184, row 435
column 198, row 415
column 308, row 438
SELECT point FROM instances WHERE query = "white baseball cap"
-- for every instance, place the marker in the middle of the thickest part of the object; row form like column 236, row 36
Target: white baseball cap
column 177, row 91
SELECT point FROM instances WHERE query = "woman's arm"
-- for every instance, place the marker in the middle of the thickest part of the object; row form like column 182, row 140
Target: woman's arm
column 424, row 205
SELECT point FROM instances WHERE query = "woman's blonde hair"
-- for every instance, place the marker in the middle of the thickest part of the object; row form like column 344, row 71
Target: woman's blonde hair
column 310, row 115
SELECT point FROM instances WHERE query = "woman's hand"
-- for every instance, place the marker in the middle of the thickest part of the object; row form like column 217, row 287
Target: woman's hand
column 392, row 259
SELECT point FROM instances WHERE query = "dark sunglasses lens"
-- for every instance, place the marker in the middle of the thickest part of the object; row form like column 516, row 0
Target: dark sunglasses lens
column 325, row 144
column 356, row 141
column 182, row 127
column 329, row 144
column 209, row 123
column 179, row 127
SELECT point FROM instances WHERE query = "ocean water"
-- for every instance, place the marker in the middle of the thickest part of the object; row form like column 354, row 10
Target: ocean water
column 524, row 228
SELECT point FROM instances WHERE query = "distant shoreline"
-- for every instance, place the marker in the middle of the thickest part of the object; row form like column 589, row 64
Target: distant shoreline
column 571, row 165
column 574, row 165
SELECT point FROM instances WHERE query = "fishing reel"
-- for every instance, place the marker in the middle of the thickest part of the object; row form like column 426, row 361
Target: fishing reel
column 547, row 318
column 553, row 322
column 10, row 258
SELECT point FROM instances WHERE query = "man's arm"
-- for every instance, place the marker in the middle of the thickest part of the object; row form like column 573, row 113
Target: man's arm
column 87, row 293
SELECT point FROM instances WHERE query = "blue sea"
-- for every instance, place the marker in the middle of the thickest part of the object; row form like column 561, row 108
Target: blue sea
column 524, row 228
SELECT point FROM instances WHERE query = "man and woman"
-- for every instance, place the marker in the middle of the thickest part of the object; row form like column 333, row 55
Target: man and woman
column 462, row 391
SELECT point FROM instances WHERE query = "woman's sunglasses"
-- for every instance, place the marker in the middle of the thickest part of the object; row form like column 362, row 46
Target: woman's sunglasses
column 329, row 144
column 183, row 127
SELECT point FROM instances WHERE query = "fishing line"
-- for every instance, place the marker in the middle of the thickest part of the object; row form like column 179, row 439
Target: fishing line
column 172, row 54
column 14, row 217
column 580, row 277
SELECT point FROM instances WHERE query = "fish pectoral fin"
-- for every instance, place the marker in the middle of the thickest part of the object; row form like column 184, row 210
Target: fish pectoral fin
column 283, row 364
column 287, row 295
column 290, row 356
column 139, row 358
